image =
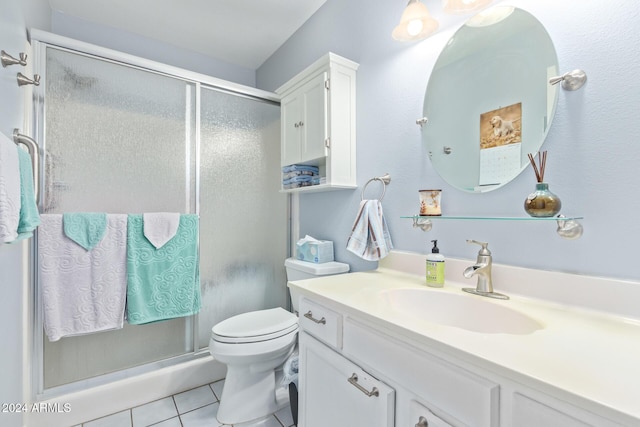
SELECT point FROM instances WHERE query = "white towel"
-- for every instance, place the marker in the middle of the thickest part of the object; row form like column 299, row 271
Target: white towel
column 370, row 238
column 9, row 190
column 160, row 227
column 83, row 291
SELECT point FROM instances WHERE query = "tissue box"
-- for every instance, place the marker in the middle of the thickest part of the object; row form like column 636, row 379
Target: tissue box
column 319, row 251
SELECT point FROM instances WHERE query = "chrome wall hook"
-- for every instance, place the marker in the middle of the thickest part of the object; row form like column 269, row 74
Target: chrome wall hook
column 24, row 80
column 573, row 80
column 10, row 60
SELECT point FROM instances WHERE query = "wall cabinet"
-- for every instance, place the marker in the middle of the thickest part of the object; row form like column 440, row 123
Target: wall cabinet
column 318, row 108
column 414, row 386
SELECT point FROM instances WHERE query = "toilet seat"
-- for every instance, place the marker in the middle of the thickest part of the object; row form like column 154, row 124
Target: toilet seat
column 255, row 326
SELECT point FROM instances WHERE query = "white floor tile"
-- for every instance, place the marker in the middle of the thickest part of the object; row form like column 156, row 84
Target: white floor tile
column 194, row 399
column 120, row 419
column 154, row 412
column 171, row 422
column 217, row 388
column 285, row 416
column 203, row 417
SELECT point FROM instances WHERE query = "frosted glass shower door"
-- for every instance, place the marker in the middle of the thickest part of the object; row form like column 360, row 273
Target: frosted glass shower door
column 117, row 139
column 243, row 216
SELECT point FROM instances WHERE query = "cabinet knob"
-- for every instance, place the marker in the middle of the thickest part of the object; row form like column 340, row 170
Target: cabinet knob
column 422, row 422
column 300, row 123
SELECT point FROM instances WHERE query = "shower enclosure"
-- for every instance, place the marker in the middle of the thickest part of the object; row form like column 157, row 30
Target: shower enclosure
column 120, row 134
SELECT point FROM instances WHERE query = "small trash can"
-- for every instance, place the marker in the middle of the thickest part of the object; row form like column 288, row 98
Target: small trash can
column 293, row 399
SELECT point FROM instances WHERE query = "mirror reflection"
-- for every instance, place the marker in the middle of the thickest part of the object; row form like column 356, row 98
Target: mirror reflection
column 488, row 100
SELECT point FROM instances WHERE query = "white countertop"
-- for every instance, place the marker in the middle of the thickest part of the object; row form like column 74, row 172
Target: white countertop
column 592, row 355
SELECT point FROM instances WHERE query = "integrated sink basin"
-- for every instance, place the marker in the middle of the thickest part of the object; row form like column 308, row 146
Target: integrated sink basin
column 468, row 312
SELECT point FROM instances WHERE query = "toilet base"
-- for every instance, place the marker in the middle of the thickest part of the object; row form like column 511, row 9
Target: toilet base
column 248, row 396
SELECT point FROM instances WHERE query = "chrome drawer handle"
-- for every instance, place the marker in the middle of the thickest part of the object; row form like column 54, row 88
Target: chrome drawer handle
column 309, row 316
column 354, row 381
column 422, row 422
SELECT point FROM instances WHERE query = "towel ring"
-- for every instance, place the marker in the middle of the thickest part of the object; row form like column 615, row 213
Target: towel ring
column 385, row 179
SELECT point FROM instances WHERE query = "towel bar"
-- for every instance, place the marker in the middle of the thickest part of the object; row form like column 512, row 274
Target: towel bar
column 34, row 152
column 385, row 179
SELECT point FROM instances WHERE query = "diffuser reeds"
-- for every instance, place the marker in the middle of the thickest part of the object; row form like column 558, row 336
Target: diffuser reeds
column 539, row 168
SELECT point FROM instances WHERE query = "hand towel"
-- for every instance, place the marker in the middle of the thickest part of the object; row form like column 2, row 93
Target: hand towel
column 162, row 283
column 370, row 238
column 9, row 190
column 83, row 291
column 160, row 227
column 87, row 229
column 29, row 215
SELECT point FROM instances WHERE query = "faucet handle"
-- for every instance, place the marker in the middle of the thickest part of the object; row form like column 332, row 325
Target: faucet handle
column 483, row 250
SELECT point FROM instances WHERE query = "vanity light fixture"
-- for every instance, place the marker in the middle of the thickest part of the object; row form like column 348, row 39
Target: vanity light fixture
column 416, row 23
column 461, row 7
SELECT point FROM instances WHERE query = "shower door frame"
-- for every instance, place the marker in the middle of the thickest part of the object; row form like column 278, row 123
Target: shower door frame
column 40, row 41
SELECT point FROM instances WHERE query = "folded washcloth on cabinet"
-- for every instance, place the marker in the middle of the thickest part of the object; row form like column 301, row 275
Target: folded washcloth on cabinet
column 162, row 283
column 370, row 238
column 83, row 290
column 9, row 190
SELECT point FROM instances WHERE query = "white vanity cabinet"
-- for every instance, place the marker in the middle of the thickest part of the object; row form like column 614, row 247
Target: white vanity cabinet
column 318, row 108
column 416, row 387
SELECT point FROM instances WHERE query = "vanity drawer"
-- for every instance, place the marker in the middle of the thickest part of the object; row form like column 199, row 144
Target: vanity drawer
column 459, row 393
column 321, row 322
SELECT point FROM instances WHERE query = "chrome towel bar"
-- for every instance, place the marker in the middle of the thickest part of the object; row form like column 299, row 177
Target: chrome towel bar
column 34, row 152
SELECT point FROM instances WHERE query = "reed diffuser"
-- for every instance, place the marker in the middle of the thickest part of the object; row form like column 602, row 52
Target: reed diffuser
column 542, row 202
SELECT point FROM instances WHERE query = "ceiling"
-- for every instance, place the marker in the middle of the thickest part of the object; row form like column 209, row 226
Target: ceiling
column 239, row 32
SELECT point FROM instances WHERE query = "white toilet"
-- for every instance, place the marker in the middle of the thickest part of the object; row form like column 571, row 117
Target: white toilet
column 254, row 345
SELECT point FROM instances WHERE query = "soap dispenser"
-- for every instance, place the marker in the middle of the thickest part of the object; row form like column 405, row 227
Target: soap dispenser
column 435, row 267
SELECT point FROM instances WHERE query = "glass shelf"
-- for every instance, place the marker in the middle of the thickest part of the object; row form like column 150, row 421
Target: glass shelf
column 568, row 227
column 494, row 218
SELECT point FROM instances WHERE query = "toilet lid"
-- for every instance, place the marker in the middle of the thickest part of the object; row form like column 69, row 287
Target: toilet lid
column 255, row 326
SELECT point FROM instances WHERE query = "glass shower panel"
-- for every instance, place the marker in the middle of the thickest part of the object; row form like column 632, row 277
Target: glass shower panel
column 120, row 140
column 243, row 216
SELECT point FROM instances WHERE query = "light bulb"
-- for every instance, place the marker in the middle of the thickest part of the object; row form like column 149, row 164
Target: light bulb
column 414, row 27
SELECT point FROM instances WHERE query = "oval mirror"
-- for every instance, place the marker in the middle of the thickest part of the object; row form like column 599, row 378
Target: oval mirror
column 488, row 101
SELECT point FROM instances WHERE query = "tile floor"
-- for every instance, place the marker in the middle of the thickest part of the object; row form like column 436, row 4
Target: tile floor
column 192, row 408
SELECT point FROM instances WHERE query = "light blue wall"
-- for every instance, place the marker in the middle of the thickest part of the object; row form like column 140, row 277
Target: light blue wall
column 593, row 145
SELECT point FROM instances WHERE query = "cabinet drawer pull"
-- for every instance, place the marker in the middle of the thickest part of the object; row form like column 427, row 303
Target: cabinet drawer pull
column 422, row 422
column 309, row 316
column 354, row 381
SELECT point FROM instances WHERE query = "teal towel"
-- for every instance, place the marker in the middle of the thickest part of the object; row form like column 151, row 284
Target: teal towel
column 86, row 229
column 29, row 215
column 162, row 283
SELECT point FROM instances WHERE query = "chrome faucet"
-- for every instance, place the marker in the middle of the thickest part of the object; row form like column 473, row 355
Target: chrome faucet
column 482, row 269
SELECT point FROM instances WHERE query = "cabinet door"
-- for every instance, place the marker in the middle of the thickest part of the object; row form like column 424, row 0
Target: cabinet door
column 336, row 392
column 527, row 412
column 291, row 116
column 314, row 122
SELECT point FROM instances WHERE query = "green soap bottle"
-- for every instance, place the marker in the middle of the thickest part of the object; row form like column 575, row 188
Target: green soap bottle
column 435, row 267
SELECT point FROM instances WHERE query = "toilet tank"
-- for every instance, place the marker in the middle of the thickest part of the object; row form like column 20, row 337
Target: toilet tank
column 301, row 270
